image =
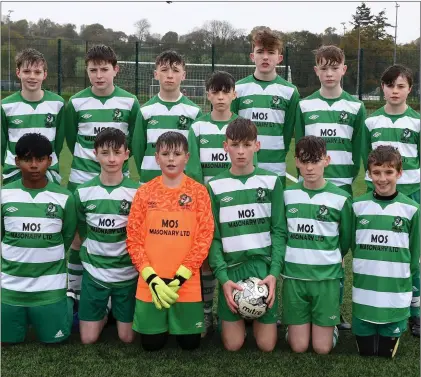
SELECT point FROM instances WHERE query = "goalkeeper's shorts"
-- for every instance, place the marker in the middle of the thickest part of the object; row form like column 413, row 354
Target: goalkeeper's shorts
column 391, row 329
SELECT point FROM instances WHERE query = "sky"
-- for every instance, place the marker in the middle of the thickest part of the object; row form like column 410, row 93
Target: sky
column 183, row 16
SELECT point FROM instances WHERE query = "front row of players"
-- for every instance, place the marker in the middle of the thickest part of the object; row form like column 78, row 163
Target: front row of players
column 257, row 229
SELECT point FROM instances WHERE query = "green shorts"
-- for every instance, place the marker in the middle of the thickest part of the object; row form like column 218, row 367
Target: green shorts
column 52, row 322
column 391, row 330
column 305, row 301
column 94, row 299
column 253, row 268
column 182, row 318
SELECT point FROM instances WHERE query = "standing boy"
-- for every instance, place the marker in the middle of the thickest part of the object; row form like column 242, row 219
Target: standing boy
column 169, row 110
column 32, row 109
column 103, row 205
column 386, row 253
column 38, row 225
column 249, row 239
column 319, row 218
column 269, row 101
column 169, row 232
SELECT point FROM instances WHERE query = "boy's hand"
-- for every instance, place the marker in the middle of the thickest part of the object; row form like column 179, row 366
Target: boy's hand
column 181, row 276
column 228, row 288
column 270, row 281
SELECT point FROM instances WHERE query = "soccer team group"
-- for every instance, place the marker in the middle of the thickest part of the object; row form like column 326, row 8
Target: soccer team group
column 211, row 206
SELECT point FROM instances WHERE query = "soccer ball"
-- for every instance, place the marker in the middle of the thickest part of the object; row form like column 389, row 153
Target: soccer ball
column 251, row 300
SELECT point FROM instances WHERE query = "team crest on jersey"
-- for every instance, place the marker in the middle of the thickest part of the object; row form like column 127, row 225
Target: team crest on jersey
column 343, row 118
column 322, row 213
column 124, row 207
column 51, row 210
column 182, row 123
column 398, row 224
column 261, row 194
column 406, row 135
column 184, row 200
column 117, row 115
column 276, row 102
column 49, row 120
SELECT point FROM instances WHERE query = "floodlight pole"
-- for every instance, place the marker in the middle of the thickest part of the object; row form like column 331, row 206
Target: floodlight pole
column 396, row 32
column 8, row 23
column 358, row 64
column 343, row 24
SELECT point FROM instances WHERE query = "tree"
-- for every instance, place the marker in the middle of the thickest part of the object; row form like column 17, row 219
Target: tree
column 362, row 17
column 380, row 25
column 170, row 37
column 93, row 32
column 331, row 37
column 142, row 28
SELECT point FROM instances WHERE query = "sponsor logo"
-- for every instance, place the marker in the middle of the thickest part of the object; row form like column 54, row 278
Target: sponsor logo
column 59, row 334
column 397, row 224
column 91, row 207
column 204, row 141
column 184, row 200
column 293, row 210
column 227, row 199
column 313, row 117
column 17, row 121
column 49, row 120
column 153, row 122
column 86, row 116
column 364, row 222
column 262, row 194
column 117, row 115
column 343, row 117
column 11, row 209
column 247, row 101
column 51, row 210
column 377, row 134
column 124, row 207
column 182, row 123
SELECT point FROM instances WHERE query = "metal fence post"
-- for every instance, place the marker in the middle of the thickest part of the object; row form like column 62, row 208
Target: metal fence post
column 85, row 75
column 213, row 57
column 286, row 63
column 59, row 70
column 360, row 75
column 136, row 71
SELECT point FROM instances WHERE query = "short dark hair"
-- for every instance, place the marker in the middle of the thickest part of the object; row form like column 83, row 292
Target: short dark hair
column 220, row 81
column 391, row 73
column 110, row 138
column 33, row 145
column 241, row 129
column 310, row 149
column 385, row 154
column 101, row 53
column 169, row 57
column 172, row 140
column 30, row 56
column 333, row 55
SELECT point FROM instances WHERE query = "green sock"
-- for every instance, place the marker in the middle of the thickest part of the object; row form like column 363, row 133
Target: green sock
column 208, row 290
column 415, row 303
column 75, row 271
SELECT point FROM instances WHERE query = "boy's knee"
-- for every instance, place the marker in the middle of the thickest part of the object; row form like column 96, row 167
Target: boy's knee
column 322, row 349
column 153, row 342
column 88, row 338
column 266, row 345
column 127, row 337
column 233, row 344
column 298, row 346
column 189, row 342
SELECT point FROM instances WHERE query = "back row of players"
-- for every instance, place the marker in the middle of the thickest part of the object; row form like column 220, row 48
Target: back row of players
column 265, row 98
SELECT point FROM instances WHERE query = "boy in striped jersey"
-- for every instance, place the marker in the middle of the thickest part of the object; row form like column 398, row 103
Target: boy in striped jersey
column 397, row 124
column 208, row 158
column 32, row 109
column 38, row 225
column 88, row 112
column 386, row 253
column 169, row 110
column 103, row 205
column 249, row 239
column 319, row 218
column 269, row 101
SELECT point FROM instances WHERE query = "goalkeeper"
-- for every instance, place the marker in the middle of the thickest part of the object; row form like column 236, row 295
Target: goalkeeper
column 169, row 232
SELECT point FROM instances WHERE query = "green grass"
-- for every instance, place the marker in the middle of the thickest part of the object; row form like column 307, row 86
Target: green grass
column 109, row 357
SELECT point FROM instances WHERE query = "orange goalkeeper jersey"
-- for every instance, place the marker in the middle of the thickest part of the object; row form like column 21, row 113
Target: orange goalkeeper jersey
column 168, row 227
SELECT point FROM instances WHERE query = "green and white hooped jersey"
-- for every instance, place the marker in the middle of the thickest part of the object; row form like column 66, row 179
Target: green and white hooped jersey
column 103, row 212
column 338, row 121
column 318, row 222
column 385, row 257
column 37, row 224
column 402, row 132
column 271, row 105
column 87, row 115
column 155, row 118
column 19, row 117
column 207, row 155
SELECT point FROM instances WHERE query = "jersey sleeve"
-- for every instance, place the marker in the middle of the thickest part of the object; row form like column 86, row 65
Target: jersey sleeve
column 132, row 122
column 356, row 140
column 289, row 123
column 4, row 136
column 199, row 113
column 299, row 124
column 60, row 131
column 81, row 216
column 235, row 106
column 69, row 222
column 136, row 232
column 346, row 227
column 278, row 230
column 365, row 144
column 414, row 246
column 216, row 254
column 139, row 140
column 204, row 232
column 194, row 167
column 71, row 126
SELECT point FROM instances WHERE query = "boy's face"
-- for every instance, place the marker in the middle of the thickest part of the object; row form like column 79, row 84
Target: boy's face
column 384, row 178
column 111, row 159
column 265, row 59
column 102, row 75
column 397, row 92
column 312, row 172
column 170, row 77
column 221, row 101
column 172, row 161
column 330, row 75
column 241, row 152
column 33, row 169
column 31, row 76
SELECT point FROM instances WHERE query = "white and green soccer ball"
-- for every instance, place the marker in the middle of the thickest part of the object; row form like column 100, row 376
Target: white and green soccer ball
column 251, row 300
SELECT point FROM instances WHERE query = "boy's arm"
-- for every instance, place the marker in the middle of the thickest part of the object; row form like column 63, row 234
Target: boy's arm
column 299, row 124
column 346, row 227
column 60, row 129
column 356, row 140
column 132, row 122
column 289, row 123
column 139, row 140
column 365, row 144
column 4, row 136
column 278, row 231
column 235, row 105
column 216, row 253
column 81, row 216
column 354, row 229
column 194, row 167
column 414, row 247
column 69, row 222
column 71, row 126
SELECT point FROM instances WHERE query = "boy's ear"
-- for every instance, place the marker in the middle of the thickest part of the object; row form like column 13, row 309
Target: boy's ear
column 156, row 158
column 327, row 161
column 345, row 68
column 257, row 146
column 316, row 70
column 155, row 74
column 225, row 144
column 252, row 56
column 18, row 72
column 116, row 68
column 126, row 154
column 400, row 173
column 95, row 152
column 17, row 161
column 50, row 160
column 280, row 58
